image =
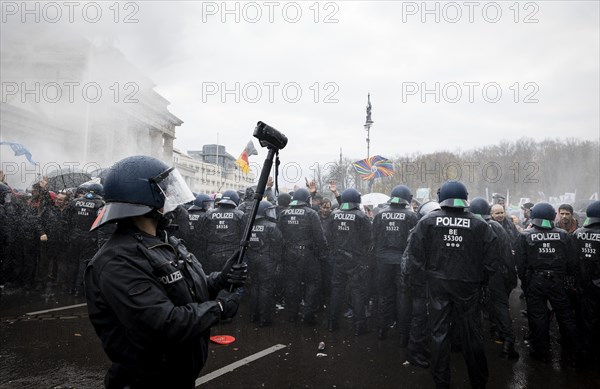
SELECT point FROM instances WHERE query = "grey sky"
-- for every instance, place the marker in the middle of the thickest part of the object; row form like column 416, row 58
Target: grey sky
column 185, row 47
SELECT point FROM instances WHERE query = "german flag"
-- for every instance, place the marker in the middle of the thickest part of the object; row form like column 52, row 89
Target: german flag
column 242, row 160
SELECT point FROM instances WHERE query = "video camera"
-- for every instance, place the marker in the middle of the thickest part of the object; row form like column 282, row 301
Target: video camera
column 269, row 136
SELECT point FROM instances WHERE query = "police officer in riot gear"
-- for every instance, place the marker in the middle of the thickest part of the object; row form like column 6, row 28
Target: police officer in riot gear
column 391, row 228
column 415, row 280
column 304, row 249
column 222, row 229
column 545, row 256
column 264, row 254
column 246, row 204
column 148, row 298
column 587, row 242
column 283, row 201
column 502, row 282
column 349, row 237
column 455, row 250
column 83, row 243
column 196, row 214
column 427, row 207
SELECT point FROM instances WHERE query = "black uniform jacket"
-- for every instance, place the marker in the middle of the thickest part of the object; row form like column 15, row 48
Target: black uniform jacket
column 151, row 309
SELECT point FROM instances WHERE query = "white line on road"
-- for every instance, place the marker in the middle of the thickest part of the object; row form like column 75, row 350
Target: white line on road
column 235, row 365
column 56, row 309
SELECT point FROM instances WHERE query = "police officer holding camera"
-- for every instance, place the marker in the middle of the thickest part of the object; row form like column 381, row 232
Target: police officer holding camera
column 148, row 298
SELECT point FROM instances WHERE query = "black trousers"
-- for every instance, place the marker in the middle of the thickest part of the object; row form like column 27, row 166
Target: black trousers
column 540, row 291
column 498, row 307
column 353, row 275
column 394, row 298
column 301, row 268
column 462, row 299
column 420, row 335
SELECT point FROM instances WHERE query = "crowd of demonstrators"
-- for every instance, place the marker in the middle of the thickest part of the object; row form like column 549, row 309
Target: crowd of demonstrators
column 46, row 239
column 429, row 269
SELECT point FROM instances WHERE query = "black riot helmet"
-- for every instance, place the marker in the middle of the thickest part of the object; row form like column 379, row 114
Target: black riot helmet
column 249, row 193
column 479, row 206
column 350, row 199
column 138, row 185
column 203, row 201
column 266, row 210
column 300, row 196
column 96, row 189
column 543, row 215
column 401, row 194
column 230, row 197
column 284, row 199
column 592, row 214
column 427, row 207
column 453, row 194
column 82, row 189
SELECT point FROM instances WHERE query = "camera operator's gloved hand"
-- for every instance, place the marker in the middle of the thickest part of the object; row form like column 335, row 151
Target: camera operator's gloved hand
column 232, row 273
column 228, row 302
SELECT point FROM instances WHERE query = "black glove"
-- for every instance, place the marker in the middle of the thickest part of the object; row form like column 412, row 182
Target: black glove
column 232, row 273
column 228, row 302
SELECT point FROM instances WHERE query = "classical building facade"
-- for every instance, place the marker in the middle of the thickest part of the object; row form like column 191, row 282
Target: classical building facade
column 206, row 177
column 73, row 101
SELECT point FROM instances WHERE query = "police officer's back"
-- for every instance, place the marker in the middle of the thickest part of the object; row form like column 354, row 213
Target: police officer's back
column 545, row 257
column 196, row 214
column 502, row 282
column 263, row 256
column 349, row 237
column 391, row 228
column 457, row 251
column 223, row 229
column 304, row 249
column 587, row 242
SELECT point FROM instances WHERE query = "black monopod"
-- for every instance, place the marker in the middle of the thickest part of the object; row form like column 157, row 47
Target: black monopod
column 274, row 140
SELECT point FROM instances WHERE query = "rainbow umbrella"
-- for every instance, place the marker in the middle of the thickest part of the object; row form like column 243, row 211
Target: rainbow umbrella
column 374, row 167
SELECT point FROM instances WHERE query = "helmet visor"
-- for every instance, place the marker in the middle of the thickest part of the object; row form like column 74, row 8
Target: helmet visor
column 173, row 187
column 271, row 213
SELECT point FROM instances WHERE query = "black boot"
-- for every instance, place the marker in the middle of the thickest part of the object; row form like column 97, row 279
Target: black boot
column 417, row 360
column 508, row 350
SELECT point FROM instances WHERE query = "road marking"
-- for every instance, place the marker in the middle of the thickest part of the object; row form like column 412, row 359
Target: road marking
column 56, row 309
column 235, row 365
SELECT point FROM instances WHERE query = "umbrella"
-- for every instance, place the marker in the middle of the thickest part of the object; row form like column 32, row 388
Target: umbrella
column 100, row 173
column 60, row 179
column 374, row 167
column 374, row 199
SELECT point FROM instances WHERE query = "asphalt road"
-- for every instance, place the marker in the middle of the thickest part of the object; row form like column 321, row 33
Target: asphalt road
column 59, row 349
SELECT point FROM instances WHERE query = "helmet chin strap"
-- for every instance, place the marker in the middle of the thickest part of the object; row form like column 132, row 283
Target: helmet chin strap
column 163, row 220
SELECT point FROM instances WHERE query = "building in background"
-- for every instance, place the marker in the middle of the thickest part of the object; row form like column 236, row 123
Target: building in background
column 72, row 100
column 204, row 176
